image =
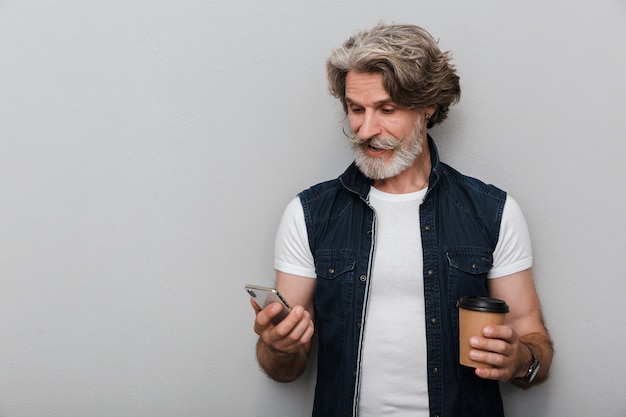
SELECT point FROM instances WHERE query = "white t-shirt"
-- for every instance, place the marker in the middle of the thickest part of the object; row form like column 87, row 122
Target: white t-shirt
column 394, row 378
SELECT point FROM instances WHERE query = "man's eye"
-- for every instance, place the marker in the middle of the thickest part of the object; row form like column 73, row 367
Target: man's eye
column 356, row 109
column 388, row 110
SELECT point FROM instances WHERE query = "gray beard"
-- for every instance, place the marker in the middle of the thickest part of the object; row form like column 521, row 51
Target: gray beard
column 404, row 153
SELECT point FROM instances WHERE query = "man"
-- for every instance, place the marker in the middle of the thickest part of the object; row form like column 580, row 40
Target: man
column 375, row 261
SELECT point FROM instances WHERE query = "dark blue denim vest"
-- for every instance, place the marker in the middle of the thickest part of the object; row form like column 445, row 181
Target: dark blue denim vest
column 460, row 221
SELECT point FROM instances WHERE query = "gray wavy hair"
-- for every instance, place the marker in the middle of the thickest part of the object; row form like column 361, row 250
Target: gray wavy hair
column 416, row 73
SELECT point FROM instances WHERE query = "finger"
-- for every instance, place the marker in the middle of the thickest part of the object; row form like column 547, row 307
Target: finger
column 498, row 332
column 273, row 334
column 490, row 345
column 493, row 359
column 293, row 332
column 492, row 373
column 268, row 313
column 263, row 321
column 254, row 305
column 303, row 330
column 290, row 322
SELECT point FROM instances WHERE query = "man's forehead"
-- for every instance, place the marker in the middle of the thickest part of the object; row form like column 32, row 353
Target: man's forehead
column 366, row 86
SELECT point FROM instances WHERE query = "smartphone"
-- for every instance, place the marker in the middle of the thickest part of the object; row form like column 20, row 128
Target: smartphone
column 265, row 296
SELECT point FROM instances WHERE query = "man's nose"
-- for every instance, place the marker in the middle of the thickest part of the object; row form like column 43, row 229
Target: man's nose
column 370, row 126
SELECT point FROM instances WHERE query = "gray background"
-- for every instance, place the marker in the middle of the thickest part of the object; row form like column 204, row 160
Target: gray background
column 148, row 148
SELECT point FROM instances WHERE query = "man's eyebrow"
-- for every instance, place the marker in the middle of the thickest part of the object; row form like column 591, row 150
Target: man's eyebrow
column 377, row 103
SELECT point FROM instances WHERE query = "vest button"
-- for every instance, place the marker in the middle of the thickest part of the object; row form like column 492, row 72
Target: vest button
column 358, row 324
column 427, row 227
column 434, row 321
column 331, row 270
column 431, row 272
column 363, row 278
column 435, row 371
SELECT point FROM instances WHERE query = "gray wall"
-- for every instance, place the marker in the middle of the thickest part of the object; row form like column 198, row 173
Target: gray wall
column 147, row 149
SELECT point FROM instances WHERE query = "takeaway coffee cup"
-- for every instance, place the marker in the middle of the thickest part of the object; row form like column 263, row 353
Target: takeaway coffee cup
column 474, row 314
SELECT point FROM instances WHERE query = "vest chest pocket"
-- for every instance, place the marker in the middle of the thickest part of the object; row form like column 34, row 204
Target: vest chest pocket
column 335, row 274
column 470, row 260
column 467, row 271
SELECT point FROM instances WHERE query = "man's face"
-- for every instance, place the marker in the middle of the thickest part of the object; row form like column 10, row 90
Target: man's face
column 386, row 137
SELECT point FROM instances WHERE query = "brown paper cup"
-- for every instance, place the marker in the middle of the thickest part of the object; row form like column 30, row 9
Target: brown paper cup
column 474, row 314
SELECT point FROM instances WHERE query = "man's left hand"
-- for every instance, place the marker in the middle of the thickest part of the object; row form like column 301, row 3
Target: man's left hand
column 500, row 347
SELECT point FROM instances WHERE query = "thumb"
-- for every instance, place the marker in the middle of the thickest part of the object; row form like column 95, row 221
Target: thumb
column 255, row 306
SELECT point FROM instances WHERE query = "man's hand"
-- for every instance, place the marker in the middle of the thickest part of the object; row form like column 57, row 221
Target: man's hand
column 283, row 349
column 501, row 348
column 288, row 336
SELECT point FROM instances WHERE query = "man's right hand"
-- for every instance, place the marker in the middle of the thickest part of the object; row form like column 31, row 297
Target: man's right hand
column 289, row 336
column 283, row 349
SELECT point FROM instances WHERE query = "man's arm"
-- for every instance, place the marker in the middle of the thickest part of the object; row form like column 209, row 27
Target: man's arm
column 510, row 348
column 283, row 349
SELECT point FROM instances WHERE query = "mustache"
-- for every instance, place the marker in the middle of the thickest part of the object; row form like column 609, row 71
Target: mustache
column 383, row 143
